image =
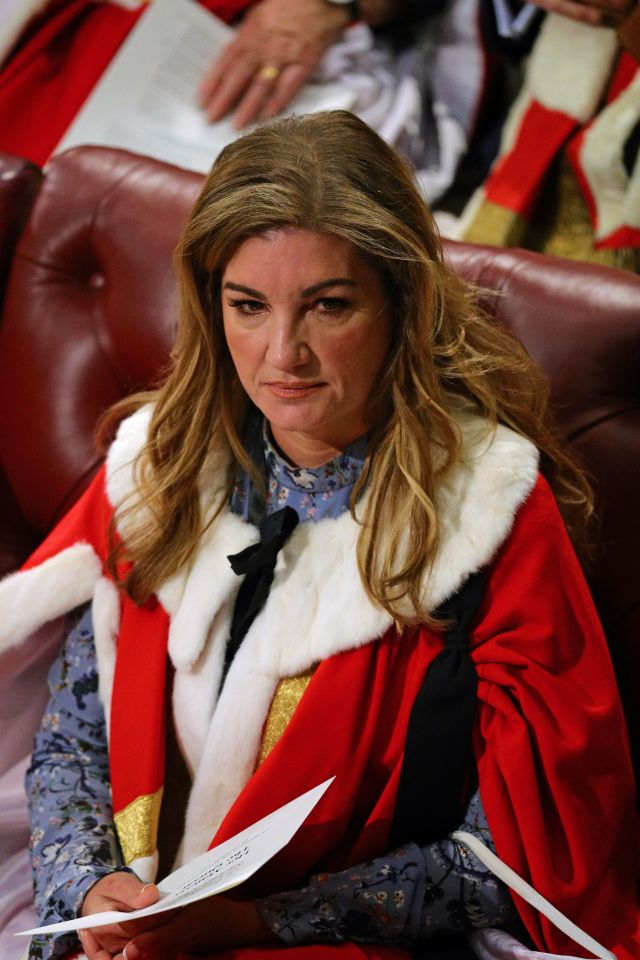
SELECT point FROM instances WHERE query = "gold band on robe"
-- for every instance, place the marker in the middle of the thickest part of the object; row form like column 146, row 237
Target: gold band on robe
column 137, row 826
column 561, row 226
column 286, row 698
column 496, row 225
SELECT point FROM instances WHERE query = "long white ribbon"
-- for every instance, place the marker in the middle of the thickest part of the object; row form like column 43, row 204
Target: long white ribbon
column 532, row 897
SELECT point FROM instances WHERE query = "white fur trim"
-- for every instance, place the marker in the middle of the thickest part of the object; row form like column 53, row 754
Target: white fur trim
column 30, row 598
column 106, row 623
column 567, row 71
column 121, row 466
column 195, row 693
column 145, row 868
column 616, row 195
column 570, row 65
column 202, row 594
column 231, row 749
column 120, row 462
column 477, row 504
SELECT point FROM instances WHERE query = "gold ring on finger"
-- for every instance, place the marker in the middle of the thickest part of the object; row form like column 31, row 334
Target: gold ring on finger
column 269, row 73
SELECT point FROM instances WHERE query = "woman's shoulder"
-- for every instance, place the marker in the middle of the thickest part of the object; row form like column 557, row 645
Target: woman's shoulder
column 122, row 456
column 495, row 465
column 123, row 463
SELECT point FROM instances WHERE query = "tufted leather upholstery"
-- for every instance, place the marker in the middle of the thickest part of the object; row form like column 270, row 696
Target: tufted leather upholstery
column 89, row 317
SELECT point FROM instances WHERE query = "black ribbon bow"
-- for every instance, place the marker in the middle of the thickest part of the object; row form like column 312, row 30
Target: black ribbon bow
column 436, row 766
column 257, row 564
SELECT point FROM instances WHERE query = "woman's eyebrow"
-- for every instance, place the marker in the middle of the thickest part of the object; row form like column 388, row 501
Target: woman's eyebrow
column 242, row 289
column 333, row 282
column 307, row 292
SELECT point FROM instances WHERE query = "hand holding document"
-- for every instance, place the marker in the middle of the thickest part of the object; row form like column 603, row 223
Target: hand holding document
column 146, row 100
column 217, row 870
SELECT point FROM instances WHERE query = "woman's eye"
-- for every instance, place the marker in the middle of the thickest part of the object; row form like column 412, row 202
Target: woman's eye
column 330, row 306
column 247, row 308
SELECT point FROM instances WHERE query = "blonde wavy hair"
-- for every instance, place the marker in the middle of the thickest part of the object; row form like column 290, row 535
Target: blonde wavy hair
column 328, row 172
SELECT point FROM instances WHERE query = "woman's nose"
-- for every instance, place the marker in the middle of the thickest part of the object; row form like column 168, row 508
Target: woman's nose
column 287, row 348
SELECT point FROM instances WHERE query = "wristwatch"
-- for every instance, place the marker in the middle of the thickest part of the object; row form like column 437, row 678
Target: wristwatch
column 351, row 6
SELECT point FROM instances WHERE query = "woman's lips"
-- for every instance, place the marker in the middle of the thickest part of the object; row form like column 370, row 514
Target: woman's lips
column 292, row 391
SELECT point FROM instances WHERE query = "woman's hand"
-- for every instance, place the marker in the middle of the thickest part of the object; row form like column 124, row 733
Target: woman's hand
column 207, row 926
column 274, row 51
column 118, row 891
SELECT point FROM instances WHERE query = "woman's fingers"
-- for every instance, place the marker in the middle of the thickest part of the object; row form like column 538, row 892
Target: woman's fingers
column 226, row 82
column 92, row 948
column 246, row 91
column 256, row 93
column 177, row 931
column 204, row 927
column 290, row 81
column 274, row 51
column 271, row 89
column 270, row 93
column 145, row 897
column 117, row 891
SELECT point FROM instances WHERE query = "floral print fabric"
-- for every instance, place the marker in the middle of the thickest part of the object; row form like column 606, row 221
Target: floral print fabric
column 73, row 842
column 411, row 893
column 313, row 492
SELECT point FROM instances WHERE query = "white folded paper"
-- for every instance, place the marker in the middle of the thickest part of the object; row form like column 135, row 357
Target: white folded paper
column 219, row 869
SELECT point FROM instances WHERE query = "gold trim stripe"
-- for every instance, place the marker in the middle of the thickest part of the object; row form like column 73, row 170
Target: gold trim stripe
column 137, row 826
column 496, row 225
column 286, row 698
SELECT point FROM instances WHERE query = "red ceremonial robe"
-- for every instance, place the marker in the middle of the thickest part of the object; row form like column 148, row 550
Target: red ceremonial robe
column 550, row 746
column 56, row 64
column 581, row 95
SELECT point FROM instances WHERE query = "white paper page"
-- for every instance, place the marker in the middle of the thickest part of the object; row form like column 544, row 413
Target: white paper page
column 217, row 870
column 146, row 98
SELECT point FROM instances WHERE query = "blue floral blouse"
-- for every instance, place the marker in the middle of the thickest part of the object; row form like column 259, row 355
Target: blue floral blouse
column 409, row 894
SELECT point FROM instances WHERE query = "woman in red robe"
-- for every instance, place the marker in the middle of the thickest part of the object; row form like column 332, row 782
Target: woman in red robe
column 382, row 341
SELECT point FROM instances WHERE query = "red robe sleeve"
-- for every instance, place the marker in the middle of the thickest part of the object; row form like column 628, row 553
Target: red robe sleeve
column 86, row 522
column 553, row 758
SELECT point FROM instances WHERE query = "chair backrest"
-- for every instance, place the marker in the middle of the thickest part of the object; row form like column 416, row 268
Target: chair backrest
column 19, row 183
column 89, row 316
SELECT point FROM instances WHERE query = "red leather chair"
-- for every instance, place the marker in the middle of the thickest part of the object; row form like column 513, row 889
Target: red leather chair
column 89, row 317
column 19, row 182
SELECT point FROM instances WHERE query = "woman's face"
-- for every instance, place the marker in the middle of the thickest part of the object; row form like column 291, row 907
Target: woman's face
column 308, row 329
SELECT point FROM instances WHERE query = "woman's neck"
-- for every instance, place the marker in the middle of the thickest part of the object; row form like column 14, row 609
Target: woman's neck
column 301, row 450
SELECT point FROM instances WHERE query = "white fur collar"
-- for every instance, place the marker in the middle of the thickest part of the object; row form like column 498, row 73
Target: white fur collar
column 476, row 505
column 317, row 606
